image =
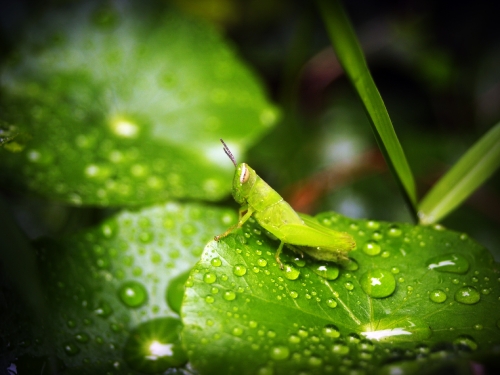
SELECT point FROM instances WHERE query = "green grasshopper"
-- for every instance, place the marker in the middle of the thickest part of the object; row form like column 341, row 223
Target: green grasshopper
column 299, row 232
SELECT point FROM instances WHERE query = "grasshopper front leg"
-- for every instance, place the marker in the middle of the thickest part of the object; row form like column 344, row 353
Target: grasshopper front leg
column 244, row 214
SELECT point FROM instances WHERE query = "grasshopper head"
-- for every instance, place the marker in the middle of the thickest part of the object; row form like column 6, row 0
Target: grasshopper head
column 244, row 179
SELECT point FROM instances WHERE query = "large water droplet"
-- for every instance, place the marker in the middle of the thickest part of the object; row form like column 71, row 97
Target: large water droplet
column 175, row 291
column 331, row 331
column 279, row 353
column 291, row 273
column 133, row 294
column 229, row 295
column 239, row 270
column 209, row 277
column 371, row 248
column 155, row 346
column 378, row 283
column 437, row 296
column 326, row 270
column 467, row 295
column 216, row 262
column 453, row 263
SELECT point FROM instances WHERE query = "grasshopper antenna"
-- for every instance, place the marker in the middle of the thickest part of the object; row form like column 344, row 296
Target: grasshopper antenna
column 228, row 153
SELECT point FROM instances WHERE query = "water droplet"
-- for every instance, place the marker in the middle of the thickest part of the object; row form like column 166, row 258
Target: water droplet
column 353, row 338
column 299, row 262
column 237, row 331
column 467, row 295
column 453, row 263
column 395, row 231
column 154, row 346
column 103, row 309
column 209, row 299
column 372, row 224
column 294, row 294
column 349, row 286
column 294, row 339
column 377, row 236
column 279, row 353
column 340, row 349
column 478, row 327
column 239, row 270
column 229, row 295
column 81, row 337
column 331, row 303
column 291, row 273
column 326, row 270
column 209, row 277
column 175, row 291
column 133, row 294
column 378, row 283
column 216, row 262
column 437, row 296
column 465, row 342
column 331, row 331
column 371, row 248
column 71, row 349
column 262, row 262
column 315, row 361
column 352, row 265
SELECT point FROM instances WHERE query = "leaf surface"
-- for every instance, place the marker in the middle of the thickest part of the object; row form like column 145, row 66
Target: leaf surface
column 114, row 293
column 125, row 105
column 411, row 292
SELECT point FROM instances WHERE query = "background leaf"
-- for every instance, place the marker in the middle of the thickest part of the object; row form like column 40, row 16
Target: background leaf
column 350, row 56
column 470, row 172
column 120, row 111
column 113, row 291
column 411, row 292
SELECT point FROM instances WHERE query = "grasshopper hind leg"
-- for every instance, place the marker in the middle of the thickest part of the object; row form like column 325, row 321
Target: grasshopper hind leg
column 278, row 252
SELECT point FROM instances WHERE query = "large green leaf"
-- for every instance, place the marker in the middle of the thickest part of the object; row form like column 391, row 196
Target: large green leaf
column 114, row 293
column 125, row 105
column 411, row 293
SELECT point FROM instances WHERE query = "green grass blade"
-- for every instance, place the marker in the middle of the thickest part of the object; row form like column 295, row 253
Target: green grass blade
column 474, row 168
column 351, row 58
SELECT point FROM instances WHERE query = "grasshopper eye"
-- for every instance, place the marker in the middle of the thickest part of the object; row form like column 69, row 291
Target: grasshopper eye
column 245, row 174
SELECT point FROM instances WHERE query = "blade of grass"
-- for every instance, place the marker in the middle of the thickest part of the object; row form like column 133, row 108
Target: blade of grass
column 472, row 170
column 351, row 58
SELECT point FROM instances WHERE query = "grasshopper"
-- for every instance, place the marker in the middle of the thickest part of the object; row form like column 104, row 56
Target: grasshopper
column 299, row 232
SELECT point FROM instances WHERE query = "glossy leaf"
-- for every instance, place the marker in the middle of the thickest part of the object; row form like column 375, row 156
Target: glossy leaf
column 470, row 172
column 353, row 62
column 125, row 105
column 112, row 293
column 411, row 293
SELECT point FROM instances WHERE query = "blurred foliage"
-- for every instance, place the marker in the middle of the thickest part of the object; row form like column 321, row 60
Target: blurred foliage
column 436, row 65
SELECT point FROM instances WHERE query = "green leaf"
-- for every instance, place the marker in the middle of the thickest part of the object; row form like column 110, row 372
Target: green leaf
column 126, row 105
column 353, row 62
column 114, row 292
column 471, row 171
column 410, row 293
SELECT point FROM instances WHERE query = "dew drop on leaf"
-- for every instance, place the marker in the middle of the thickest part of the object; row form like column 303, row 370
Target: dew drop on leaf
column 239, row 270
column 331, row 303
column 467, row 295
column 452, row 263
column 175, row 291
column 331, row 330
column 154, row 346
column 209, row 278
column 378, row 283
column 371, row 248
column 340, row 349
column 394, row 231
column 81, row 337
column 229, row 295
column 103, row 309
column 71, row 349
column 291, row 273
column 326, row 270
column 133, row 294
column 216, row 262
column 279, row 353
column 437, row 296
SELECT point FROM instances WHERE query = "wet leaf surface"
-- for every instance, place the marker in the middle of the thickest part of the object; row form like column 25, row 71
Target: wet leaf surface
column 118, row 110
column 412, row 296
